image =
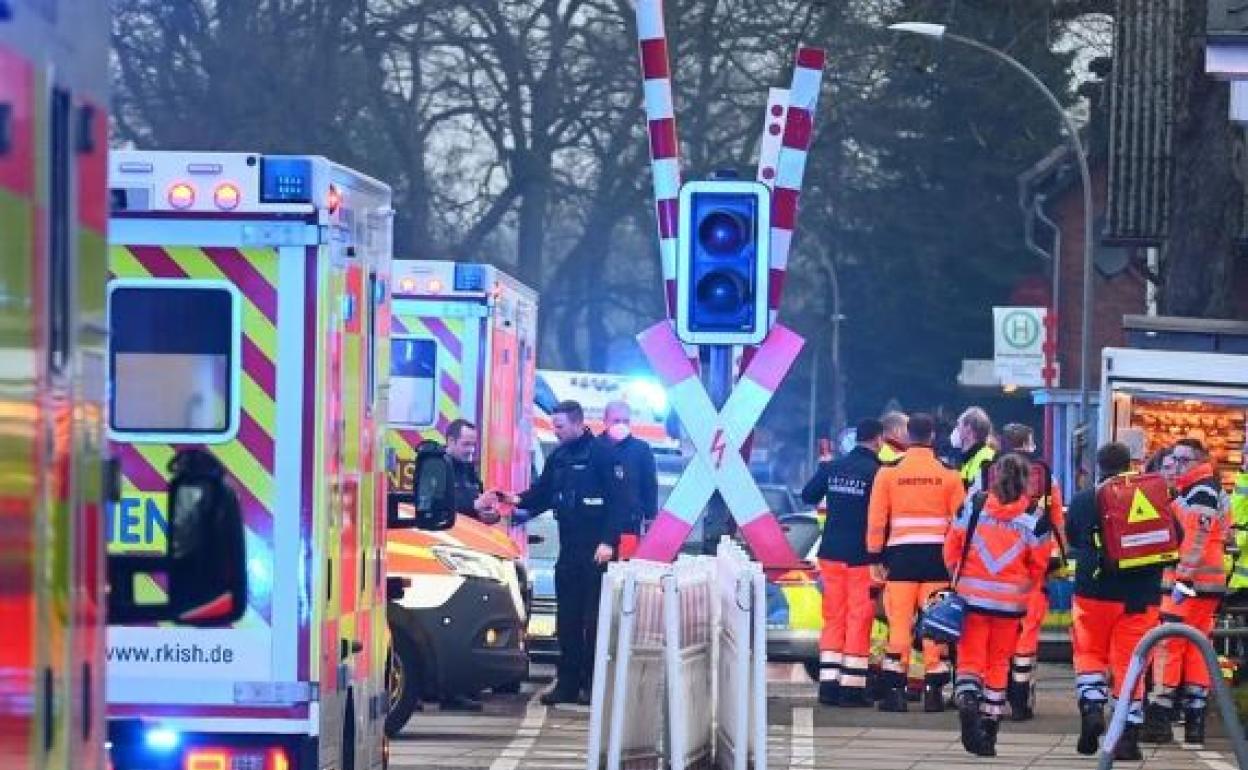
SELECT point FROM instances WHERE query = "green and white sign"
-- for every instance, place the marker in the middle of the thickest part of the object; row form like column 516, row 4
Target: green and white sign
column 1018, row 345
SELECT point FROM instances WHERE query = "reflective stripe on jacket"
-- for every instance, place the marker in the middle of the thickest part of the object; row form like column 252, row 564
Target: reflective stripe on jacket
column 912, row 502
column 1008, row 557
column 1204, row 518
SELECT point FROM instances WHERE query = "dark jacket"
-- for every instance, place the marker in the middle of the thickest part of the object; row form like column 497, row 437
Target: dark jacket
column 636, row 458
column 582, row 485
column 846, row 483
column 468, row 487
column 1138, row 588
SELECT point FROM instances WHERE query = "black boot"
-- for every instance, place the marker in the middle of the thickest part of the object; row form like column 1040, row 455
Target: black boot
column 894, row 700
column 830, row 693
column 875, row 684
column 970, row 720
column 1128, row 748
column 1091, row 726
column 1019, row 695
column 852, row 698
column 1194, row 727
column 933, row 699
column 1157, row 727
column 988, row 737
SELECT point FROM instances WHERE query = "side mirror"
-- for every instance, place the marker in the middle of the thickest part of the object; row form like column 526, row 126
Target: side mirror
column 430, row 504
column 205, row 562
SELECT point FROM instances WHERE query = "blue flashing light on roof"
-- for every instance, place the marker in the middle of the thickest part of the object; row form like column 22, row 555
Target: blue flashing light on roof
column 469, row 277
column 285, row 180
column 651, row 393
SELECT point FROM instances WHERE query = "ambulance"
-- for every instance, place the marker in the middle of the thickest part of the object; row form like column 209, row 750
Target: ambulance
column 462, row 346
column 248, row 310
column 53, row 119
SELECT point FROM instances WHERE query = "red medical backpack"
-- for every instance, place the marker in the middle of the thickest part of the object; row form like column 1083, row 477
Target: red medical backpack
column 1138, row 526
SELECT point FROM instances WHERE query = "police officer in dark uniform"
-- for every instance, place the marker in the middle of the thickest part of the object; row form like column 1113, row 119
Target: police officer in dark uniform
column 637, row 460
column 583, row 486
column 471, row 499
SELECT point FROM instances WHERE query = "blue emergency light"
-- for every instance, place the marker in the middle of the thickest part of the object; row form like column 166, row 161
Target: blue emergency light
column 285, row 180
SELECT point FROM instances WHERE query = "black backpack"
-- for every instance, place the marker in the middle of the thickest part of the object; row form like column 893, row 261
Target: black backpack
column 207, row 553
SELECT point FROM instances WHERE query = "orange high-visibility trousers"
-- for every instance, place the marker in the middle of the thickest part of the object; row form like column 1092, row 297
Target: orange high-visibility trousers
column 985, row 647
column 1104, row 637
column 1178, row 662
column 902, row 600
column 848, row 612
column 1029, row 632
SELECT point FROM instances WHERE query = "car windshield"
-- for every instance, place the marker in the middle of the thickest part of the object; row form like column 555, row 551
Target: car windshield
column 778, row 500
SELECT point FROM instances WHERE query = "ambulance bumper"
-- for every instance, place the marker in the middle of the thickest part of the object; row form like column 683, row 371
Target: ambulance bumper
column 475, row 638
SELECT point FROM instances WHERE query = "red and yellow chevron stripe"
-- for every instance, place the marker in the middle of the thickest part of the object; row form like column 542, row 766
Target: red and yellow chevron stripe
column 448, row 333
column 249, row 456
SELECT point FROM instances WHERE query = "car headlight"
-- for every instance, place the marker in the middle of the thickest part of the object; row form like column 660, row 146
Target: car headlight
column 467, row 563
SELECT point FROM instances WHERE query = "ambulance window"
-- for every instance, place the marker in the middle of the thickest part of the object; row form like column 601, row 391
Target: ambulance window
column 413, row 390
column 172, row 355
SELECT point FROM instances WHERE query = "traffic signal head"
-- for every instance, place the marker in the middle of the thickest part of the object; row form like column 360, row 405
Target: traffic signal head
column 722, row 262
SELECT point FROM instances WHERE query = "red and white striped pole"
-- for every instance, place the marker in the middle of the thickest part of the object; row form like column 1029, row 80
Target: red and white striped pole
column 661, row 124
column 799, row 121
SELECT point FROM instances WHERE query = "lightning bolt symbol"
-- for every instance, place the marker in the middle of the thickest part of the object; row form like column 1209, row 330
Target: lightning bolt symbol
column 717, row 447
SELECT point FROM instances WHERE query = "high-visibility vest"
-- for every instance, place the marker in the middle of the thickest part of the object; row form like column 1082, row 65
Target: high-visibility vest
column 912, row 502
column 1007, row 558
column 1239, row 515
column 973, row 468
column 889, row 453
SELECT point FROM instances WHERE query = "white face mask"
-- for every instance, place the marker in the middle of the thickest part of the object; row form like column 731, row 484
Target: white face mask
column 955, row 439
column 619, row 431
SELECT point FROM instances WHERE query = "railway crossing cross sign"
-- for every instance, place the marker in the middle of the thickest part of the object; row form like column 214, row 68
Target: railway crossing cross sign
column 717, row 436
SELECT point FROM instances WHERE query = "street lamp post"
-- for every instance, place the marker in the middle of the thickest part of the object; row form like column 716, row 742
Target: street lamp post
column 938, row 32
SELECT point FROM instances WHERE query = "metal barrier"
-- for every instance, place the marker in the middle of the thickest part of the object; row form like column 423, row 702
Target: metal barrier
column 1139, row 659
column 691, row 636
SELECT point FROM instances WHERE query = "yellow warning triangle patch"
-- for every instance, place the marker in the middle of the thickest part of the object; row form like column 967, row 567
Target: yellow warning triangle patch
column 1141, row 509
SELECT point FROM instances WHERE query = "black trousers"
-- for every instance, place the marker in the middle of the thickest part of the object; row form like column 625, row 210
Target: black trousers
column 578, row 582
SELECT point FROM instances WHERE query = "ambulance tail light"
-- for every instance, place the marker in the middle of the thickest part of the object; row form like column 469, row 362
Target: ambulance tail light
column 243, row 758
column 181, row 195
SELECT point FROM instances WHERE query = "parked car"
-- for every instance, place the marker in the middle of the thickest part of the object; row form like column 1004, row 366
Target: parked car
column 457, row 615
column 793, row 599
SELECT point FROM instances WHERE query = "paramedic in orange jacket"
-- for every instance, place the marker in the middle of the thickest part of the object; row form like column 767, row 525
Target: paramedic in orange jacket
column 848, row 609
column 1191, row 593
column 1112, row 611
column 1019, row 438
column 1008, row 555
column 912, row 505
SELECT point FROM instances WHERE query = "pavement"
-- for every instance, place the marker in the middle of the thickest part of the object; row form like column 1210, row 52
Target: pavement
column 515, row 732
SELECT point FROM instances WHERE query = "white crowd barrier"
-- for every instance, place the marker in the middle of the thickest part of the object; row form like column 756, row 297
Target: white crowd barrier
column 679, row 668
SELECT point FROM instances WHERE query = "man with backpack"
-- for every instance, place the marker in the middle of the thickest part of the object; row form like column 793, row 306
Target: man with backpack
column 1044, row 491
column 1192, row 591
column 1117, row 587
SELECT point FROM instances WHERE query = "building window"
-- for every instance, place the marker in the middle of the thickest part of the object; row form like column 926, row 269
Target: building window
column 173, row 359
column 413, row 381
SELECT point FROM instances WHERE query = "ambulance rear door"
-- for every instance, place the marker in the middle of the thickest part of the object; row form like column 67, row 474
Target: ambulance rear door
column 210, row 346
column 437, row 352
